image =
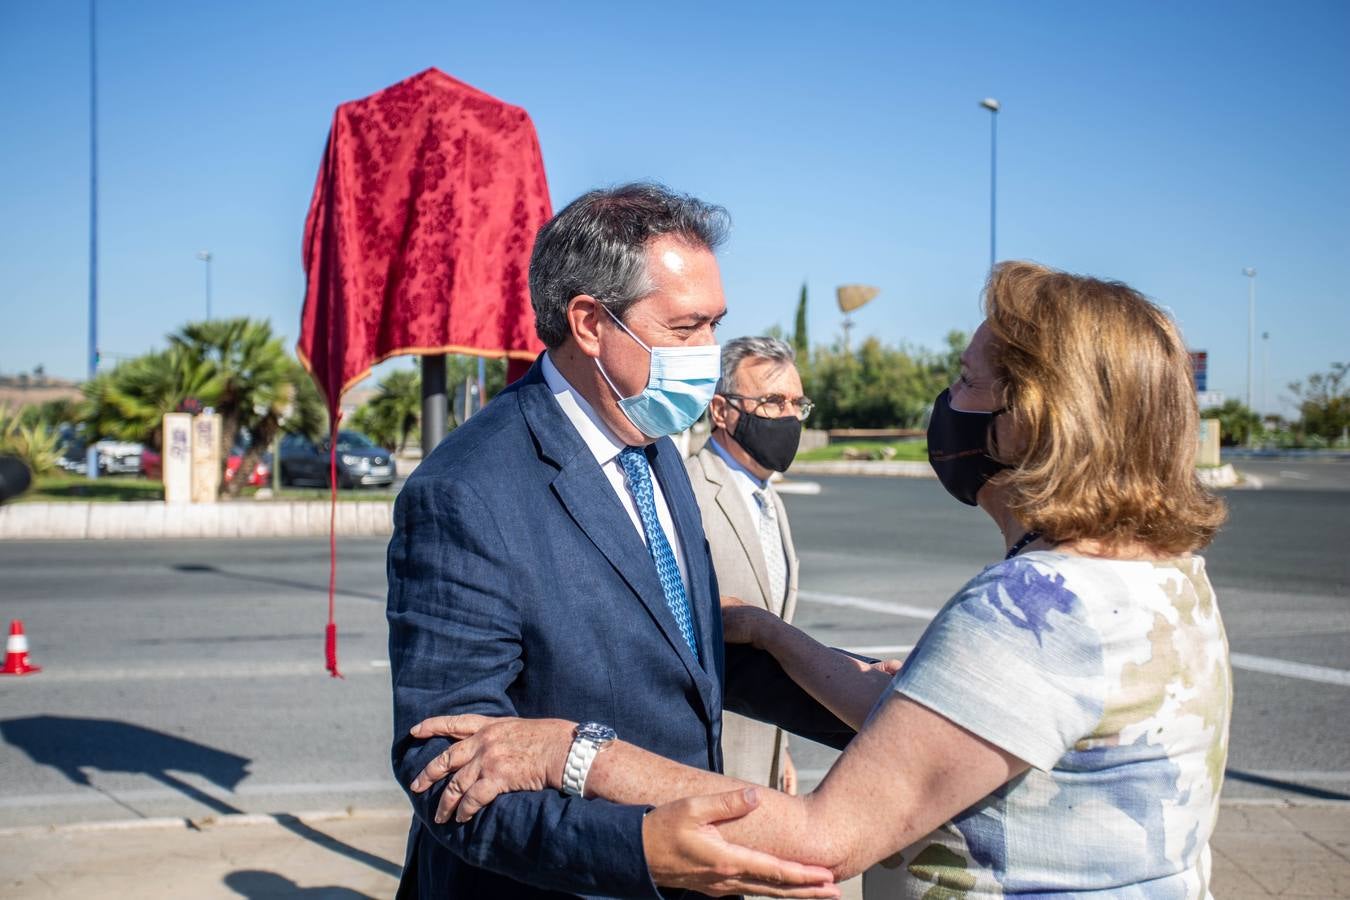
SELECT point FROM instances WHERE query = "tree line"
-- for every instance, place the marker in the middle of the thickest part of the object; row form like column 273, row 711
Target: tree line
column 240, row 368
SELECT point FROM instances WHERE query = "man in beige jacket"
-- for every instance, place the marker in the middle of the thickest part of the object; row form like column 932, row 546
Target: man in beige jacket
column 757, row 416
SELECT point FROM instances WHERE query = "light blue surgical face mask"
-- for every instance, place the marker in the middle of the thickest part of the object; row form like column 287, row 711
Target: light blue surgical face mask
column 680, row 385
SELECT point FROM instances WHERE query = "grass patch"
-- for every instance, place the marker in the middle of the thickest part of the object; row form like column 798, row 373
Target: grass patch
column 77, row 488
column 345, row 495
column 908, row 451
column 65, row 488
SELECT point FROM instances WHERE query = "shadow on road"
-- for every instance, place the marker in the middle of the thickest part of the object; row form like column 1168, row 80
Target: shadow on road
column 1281, row 785
column 206, row 569
column 74, row 746
column 259, row 885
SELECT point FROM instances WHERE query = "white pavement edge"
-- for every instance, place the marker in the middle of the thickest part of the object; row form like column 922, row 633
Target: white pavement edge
column 139, row 520
column 199, row 824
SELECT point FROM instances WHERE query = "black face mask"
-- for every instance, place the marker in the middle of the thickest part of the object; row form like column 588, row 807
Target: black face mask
column 770, row 442
column 958, row 448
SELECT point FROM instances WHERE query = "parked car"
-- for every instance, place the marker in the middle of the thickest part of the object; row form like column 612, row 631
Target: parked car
column 360, row 461
column 114, row 457
column 152, row 466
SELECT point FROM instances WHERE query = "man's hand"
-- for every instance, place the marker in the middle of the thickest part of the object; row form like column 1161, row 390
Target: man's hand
column 743, row 623
column 492, row 756
column 684, row 849
column 789, row 775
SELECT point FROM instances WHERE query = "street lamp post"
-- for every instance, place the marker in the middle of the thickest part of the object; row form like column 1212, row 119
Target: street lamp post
column 992, row 105
column 91, row 453
column 1265, row 369
column 205, row 256
column 1251, row 331
column 1252, row 336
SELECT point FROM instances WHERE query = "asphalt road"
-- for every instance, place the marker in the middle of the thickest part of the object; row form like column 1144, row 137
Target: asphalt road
column 185, row 677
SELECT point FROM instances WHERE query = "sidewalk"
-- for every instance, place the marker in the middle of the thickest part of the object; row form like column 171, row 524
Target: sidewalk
column 1261, row 849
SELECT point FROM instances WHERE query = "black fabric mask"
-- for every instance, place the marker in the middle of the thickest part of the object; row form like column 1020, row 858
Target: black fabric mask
column 958, row 448
column 770, row 442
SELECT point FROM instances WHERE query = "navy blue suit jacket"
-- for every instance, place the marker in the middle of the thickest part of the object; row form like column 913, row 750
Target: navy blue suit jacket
column 518, row 585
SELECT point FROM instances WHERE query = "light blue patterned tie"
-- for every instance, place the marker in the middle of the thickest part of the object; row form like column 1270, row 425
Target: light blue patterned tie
column 639, row 473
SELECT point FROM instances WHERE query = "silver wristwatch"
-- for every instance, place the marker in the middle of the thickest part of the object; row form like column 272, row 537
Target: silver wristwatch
column 588, row 739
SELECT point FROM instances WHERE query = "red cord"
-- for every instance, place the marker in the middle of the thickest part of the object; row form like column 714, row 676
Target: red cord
column 330, row 633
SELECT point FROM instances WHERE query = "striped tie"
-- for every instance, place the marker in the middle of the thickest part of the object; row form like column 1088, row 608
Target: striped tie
column 639, row 473
column 771, row 542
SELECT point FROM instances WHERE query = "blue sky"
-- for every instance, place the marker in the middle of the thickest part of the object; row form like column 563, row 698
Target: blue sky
column 1167, row 145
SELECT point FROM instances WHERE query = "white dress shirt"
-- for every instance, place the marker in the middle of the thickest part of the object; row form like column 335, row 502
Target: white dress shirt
column 747, row 485
column 606, row 448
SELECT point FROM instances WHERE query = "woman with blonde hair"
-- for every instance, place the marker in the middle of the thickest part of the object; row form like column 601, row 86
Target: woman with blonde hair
column 1062, row 725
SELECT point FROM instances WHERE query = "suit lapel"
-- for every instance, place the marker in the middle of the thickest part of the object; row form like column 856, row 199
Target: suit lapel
column 733, row 506
column 589, row 498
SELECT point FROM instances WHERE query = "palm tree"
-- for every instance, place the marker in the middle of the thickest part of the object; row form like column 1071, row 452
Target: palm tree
column 129, row 402
column 399, row 403
column 261, row 385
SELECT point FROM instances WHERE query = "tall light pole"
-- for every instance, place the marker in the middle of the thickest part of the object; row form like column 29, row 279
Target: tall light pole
column 205, row 256
column 1251, row 331
column 1265, row 369
column 91, row 454
column 992, row 105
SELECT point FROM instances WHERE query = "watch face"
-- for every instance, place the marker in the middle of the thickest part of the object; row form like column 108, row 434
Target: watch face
column 596, row 732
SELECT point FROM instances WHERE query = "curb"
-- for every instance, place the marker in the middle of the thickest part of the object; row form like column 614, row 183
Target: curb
column 239, row 820
column 144, row 520
column 889, row 468
column 232, row 820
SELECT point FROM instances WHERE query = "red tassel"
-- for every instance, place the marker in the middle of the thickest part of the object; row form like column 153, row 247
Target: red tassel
column 330, row 649
column 330, row 633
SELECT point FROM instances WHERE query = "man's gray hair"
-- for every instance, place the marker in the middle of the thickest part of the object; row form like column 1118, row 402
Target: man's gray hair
column 737, row 350
column 597, row 246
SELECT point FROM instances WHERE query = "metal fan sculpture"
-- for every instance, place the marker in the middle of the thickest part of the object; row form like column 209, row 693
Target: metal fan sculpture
column 851, row 297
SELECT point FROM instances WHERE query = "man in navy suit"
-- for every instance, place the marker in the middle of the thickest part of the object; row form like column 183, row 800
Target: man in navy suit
column 548, row 558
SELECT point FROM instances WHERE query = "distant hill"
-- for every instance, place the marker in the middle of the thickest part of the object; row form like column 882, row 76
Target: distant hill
column 24, row 389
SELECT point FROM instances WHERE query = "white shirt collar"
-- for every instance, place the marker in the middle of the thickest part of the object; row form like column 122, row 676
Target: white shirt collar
column 735, row 467
column 594, row 432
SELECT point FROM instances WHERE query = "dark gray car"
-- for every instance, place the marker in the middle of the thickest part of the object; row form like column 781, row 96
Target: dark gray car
column 360, row 461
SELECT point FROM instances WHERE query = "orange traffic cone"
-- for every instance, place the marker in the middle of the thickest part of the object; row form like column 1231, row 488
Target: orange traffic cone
column 16, row 652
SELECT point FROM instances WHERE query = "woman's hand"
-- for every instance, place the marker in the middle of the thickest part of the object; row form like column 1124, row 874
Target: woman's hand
column 684, row 849
column 492, row 756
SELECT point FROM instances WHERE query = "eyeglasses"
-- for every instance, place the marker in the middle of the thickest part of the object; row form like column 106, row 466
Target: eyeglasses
column 773, row 406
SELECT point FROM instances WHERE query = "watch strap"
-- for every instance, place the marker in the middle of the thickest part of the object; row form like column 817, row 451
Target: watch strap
column 578, row 765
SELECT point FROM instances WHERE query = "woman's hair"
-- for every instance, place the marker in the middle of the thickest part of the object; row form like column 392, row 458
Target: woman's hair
column 1099, row 383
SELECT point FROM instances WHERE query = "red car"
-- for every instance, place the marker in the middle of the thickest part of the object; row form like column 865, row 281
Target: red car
column 152, row 466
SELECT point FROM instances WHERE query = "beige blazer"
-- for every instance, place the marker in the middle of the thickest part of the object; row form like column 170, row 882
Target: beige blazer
column 752, row 750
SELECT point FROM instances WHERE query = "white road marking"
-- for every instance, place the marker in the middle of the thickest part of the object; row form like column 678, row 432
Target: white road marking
column 1245, row 661
column 888, row 607
column 1304, row 671
column 1295, row 777
column 1297, row 476
column 807, row 488
column 883, row 650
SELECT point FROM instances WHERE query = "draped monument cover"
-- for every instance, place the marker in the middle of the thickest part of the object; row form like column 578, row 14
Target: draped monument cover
column 419, row 233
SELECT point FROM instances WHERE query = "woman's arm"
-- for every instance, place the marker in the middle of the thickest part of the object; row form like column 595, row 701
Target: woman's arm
column 870, row 805
column 845, row 686
column 905, row 774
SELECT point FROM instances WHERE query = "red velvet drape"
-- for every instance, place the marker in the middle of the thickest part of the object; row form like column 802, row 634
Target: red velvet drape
column 418, row 238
